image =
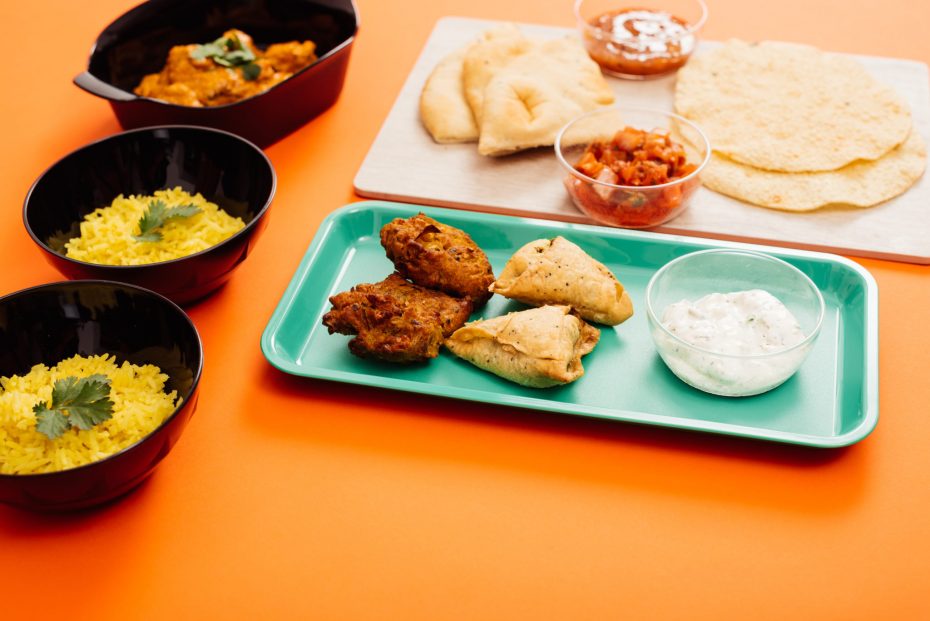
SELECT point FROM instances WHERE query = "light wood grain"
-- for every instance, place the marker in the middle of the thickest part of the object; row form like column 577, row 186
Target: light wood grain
column 405, row 164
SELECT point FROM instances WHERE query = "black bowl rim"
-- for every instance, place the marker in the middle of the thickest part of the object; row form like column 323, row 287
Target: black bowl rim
column 151, row 128
column 326, row 57
column 197, row 374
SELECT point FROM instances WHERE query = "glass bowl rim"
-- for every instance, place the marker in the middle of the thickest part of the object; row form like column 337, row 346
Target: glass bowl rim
column 571, row 169
column 692, row 29
column 809, row 339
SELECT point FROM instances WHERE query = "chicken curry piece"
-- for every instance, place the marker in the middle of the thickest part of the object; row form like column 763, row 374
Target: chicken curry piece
column 225, row 71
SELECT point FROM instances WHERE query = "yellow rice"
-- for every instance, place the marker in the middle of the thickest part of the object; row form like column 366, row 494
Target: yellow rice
column 107, row 232
column 140, row 404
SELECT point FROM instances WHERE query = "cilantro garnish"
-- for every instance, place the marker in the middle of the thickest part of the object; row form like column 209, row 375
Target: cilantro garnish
column 156, row 215
column 80, row 403
column 229, row 52
column 251, row 71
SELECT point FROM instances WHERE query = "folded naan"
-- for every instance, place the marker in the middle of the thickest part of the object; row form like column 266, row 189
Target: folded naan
column 530, row 98
column 510, row 92
column 493, row 50
column 557, row 271
column 443, row 109
column 539, row 347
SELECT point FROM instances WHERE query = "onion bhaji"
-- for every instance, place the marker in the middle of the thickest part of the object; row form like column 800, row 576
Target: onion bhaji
column 396, row 320
column 438, row 256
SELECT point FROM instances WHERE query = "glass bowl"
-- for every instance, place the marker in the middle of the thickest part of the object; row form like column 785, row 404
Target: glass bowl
column 695, row 275
column 635, row 207
column 646, row 39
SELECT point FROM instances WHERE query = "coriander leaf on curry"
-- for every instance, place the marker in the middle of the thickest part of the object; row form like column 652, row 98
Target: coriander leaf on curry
column 224, row 71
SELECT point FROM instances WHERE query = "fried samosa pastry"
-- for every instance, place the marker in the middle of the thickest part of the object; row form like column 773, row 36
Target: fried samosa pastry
column 438, row 256
column 539, row 347
column 395, row 320
column 557, row 271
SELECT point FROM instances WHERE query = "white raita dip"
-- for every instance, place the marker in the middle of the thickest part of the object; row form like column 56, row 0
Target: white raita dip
column 742, row 323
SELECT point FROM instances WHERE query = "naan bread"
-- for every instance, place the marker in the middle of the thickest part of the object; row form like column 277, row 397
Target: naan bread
column 495, row 49
column 861, row 184
column 529, row 99
column 559, row 272
column 509, row 92
column 443, row 109
column 539, row 347
column 790, row 108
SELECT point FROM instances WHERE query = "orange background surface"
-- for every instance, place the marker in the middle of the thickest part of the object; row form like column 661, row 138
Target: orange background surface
column 290, row 498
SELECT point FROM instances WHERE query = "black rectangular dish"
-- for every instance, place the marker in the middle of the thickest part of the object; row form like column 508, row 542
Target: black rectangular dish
column 137, row 43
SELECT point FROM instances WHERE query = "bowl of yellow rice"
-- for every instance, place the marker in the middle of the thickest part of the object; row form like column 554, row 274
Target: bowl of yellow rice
column 174, row 209
column 97, row 381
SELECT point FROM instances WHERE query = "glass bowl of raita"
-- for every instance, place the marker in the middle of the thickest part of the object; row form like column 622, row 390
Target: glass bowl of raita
column 733, row 322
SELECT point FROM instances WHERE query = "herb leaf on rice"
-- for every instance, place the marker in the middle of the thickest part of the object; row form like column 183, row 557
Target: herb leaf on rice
column 118, row 403
column 157, row 215
column 113, row 235
column 80, row 403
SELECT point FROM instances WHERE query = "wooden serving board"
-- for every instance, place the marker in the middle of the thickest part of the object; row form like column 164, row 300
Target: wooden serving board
column 405, row 164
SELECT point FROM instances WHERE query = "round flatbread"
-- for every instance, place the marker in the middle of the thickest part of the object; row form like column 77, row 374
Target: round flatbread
column 790, row 108
column 861, row 184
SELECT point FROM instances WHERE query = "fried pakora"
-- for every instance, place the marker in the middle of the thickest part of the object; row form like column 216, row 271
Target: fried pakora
column 395, row 320
column 438, row 256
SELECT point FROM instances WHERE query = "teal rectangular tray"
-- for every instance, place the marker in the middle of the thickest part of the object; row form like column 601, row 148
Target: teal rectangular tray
column 832, row 401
